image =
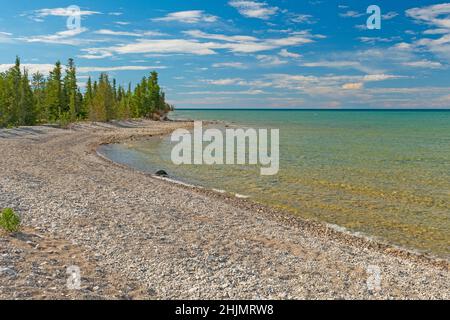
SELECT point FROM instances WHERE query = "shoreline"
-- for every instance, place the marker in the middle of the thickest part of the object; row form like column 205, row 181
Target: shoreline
column 170, row 239
column 324, row 227
column 321, row 227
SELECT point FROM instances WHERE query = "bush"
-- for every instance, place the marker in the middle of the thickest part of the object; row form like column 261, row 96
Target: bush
column 9, row 220
column 64, row 120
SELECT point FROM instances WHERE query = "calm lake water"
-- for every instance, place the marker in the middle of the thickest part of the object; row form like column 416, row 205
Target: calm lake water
column 386, row 174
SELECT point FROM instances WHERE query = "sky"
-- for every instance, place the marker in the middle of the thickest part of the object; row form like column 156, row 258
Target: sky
column 245, row 54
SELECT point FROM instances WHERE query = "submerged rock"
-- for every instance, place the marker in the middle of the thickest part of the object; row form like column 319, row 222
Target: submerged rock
column 161, row 173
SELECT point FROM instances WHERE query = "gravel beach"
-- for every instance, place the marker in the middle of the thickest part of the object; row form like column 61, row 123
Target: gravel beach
column 135, row 236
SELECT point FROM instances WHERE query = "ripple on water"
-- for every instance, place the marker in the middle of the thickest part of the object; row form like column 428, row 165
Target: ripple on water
column 383, row 174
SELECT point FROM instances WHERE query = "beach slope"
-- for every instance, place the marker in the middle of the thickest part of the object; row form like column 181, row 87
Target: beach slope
column 136, row 236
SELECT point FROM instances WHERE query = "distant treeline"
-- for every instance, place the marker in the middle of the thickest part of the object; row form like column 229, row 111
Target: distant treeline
column 26, row 101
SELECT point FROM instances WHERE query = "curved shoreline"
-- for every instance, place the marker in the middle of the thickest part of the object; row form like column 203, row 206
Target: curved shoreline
column 322, row 228
column 139, row 237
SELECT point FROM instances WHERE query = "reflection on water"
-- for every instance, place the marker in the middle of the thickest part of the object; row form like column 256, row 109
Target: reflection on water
column 386, row 174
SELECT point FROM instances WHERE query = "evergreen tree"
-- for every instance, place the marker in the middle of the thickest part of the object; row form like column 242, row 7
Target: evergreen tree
column 88, row 97
column 70, row 92
column 26, row 111
column 38, row 86
column 3, row 101
column 102, row 103
column 25, row 101
column 13, row 83
column 54, row 94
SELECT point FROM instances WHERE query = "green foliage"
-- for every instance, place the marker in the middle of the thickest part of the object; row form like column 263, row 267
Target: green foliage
column 58, row 99
column 64, row 120
column 9, row 220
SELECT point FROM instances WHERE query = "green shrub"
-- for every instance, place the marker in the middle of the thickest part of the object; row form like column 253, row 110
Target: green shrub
column 64, row 120
column 9, row 220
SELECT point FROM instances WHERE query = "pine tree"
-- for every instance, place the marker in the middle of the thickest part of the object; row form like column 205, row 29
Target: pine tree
column 87, row 100
column 58, row 99
column 102, row 104
column 54, row 94
column 70, row 92
column 26, row 111
column 38, row 86
column 3, row 100
column 14, row 80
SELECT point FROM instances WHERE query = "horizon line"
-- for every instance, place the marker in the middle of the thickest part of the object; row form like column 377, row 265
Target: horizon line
column 303, row 109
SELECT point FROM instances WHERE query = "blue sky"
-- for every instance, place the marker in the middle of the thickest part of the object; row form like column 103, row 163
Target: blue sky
column 249, row 54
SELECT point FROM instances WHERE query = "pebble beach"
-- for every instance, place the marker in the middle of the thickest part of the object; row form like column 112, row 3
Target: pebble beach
column 137, row 236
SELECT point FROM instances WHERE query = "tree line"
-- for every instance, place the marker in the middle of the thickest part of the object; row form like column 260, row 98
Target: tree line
column 29, row 100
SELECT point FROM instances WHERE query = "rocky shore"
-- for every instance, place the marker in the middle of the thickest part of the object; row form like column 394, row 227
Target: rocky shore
column 135, row 236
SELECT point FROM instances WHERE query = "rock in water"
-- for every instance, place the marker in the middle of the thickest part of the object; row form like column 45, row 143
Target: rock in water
column 162, row 173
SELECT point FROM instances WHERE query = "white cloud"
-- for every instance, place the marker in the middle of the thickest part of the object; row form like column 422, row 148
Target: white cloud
column 390, row 15
column 119, row 68
column 268, row 44
column 94, row 53
column 46, row 68
column 267, row 60
column 333, row 64
column 289, row 41
column 436, row 31
column 31, row 67
column 423, row 64
column 235, row 44
column 166, row 46
column 374, row 40
column 245, row 44
column 373, row 60
column 286, row 54
column 224, row 82
column 437, row 15
column 326, row 83
column 62, row 37
column 353, row 86
column 403, row 46
column 351, row 14
column 302, row 18
column 63, row 12
column 241, row 92
column 5, row 37
column 236, row 65
column 202, row 35
column 116, row 33
column 153, row 34
column 128, row 34
column 191, row 16
column 440, row 46
column 254, row 9
column 380, row 77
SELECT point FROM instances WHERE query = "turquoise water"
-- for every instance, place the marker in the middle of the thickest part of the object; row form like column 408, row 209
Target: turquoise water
column 383, row 173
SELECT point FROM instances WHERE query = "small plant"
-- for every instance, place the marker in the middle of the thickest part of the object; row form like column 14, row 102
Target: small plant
column 64, row 120
column 9, row 220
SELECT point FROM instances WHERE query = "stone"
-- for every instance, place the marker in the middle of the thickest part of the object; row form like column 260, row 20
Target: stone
column 8, row 271
column 161, row 173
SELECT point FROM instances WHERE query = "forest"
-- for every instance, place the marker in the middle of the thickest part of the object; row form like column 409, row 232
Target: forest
column 27, row 100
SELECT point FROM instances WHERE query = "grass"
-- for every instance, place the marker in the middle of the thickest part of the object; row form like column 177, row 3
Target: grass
column 9, row 220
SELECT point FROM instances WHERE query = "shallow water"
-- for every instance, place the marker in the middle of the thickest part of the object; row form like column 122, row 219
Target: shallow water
column 386, row 174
